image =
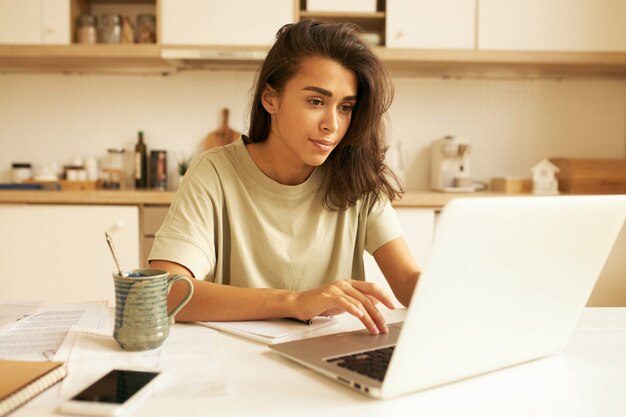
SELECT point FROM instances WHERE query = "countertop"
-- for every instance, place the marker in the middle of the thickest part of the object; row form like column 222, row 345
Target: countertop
column 423, row 199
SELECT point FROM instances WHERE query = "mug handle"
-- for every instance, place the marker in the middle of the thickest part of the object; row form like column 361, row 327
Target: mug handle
column 170, row 281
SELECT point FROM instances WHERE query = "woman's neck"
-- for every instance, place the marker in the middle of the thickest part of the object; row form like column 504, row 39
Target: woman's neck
column 276, row 163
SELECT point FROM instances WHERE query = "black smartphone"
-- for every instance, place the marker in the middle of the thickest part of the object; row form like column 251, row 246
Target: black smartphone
column 112, row 394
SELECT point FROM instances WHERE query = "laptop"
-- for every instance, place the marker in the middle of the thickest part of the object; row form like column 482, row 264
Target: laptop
column 505, row 283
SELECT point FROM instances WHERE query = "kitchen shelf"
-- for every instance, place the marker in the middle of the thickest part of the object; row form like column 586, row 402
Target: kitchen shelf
column 155, row 58
column 132, row 58
column 533, row 64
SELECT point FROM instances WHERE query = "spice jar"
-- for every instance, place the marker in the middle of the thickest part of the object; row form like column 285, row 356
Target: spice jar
column 146, row 28
column 86, row 29
column 110, row 28
column 21, row 171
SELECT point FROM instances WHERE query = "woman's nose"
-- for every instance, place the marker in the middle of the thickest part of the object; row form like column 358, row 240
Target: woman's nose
column 330, row 123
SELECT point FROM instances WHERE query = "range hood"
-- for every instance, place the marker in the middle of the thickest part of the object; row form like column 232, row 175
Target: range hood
column 200, row 57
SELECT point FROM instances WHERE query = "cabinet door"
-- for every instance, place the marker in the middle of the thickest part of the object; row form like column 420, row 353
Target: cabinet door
column 20, row 21
column 418, row 227
column 217, row 22
column 58, row 253
column 56, row 23
column 426, row 24
column 554, row 25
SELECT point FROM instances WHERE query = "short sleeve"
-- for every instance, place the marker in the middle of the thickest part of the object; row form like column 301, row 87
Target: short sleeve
column 187, row 235
column 381, row 226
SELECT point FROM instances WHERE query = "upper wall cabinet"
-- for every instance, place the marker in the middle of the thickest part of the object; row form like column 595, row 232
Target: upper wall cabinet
column 427, row 24
column 34, row 22
column 554, row 25
column 218, row 22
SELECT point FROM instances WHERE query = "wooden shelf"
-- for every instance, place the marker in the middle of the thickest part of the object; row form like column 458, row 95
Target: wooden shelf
column 142, row 58
column 505, row 63
column 132, row 58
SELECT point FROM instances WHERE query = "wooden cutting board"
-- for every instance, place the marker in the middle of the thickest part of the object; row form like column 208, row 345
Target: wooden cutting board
column 223, row 135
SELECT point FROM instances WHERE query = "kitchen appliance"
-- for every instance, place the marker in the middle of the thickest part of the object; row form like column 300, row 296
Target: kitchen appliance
column 114, row 168
column 450, row 165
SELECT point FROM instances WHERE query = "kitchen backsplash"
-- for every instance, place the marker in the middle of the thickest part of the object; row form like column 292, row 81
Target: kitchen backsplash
column 511, row 123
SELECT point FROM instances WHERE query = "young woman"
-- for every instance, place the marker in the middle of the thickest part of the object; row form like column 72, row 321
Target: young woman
column 275, row 224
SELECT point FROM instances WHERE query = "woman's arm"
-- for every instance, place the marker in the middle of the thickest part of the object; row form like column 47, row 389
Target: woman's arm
column 215, row 302
column 397, row 265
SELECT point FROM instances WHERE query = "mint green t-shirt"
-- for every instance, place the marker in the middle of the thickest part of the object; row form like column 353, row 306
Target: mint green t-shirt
column 231, row 224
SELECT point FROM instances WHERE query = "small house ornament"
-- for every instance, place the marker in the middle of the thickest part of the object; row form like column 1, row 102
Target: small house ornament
column 544, row 178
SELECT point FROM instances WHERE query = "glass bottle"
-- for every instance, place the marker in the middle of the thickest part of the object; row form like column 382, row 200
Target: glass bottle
column 141, row 160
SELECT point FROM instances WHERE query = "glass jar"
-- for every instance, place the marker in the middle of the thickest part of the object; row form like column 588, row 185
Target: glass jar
column 146, row 28
column 21, row 171
column 110, row 28
column 115, row 168
column 86, row 29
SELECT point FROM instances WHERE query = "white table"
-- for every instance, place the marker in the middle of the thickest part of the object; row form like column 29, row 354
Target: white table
column 587, row 379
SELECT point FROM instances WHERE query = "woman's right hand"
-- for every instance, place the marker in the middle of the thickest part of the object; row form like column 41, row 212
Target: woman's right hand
column 358, row 298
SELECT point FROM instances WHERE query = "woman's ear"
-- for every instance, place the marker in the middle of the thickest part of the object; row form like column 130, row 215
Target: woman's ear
column 269, row 99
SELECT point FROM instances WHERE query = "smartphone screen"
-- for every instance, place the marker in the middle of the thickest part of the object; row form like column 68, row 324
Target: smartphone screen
column 116, row 387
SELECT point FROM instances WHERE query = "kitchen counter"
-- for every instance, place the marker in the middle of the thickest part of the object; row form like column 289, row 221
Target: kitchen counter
column 425, row 199
column 116, row 197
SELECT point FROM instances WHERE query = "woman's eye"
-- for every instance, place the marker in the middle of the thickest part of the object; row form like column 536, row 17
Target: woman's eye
column 346, row 108
column 315, row 101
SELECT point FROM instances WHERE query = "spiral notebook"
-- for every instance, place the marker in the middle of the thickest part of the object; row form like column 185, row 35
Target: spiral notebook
column 21, row 381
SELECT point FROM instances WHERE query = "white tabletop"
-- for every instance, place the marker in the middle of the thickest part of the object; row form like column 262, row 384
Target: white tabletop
column 587, row 379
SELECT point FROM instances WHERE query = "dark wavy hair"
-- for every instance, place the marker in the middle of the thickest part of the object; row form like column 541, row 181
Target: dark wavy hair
column 356, row 167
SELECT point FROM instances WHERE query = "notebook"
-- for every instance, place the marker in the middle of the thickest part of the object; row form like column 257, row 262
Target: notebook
column 505, row 283
column 21, row 381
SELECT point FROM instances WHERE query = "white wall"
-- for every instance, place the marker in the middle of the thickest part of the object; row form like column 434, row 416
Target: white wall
column 47, row 118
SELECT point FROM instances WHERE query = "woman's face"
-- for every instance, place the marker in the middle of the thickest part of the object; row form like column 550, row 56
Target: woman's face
column 311, row 116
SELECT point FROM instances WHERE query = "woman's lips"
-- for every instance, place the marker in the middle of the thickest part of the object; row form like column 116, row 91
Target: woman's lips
column 325, row 145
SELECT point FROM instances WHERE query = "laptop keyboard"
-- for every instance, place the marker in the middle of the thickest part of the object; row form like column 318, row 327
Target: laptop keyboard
column 371, row 363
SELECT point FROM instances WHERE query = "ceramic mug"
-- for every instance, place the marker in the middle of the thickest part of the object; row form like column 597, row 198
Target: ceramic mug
column 141, row 318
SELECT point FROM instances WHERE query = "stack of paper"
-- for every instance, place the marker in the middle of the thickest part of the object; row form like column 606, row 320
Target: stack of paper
column 271, row 331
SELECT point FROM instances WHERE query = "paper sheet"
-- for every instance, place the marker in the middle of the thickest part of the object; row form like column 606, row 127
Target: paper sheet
column 39, row 336
column 271, row 331
column 191, row 358
column 12, row 312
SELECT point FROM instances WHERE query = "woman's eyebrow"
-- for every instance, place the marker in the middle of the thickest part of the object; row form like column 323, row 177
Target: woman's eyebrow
column 325, row 92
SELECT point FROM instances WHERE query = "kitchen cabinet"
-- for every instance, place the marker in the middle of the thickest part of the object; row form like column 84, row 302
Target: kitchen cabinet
column 58, row 253
column 35, row 22
column 230, row 23
column 152, row 217
column 555, row 25
column 425, row 24
column 431, row 38
column 418, row 225
column 369, row 17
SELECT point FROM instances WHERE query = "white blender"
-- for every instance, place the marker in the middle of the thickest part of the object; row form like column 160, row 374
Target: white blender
column 449, row 165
